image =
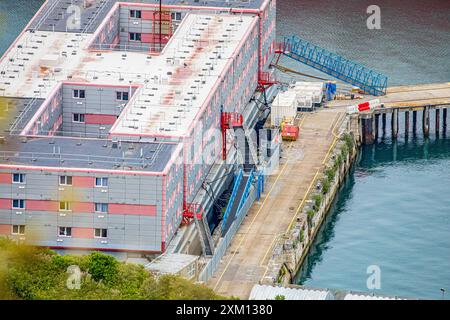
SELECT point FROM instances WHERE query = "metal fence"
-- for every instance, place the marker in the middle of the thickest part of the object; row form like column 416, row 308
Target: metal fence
column 224, row 243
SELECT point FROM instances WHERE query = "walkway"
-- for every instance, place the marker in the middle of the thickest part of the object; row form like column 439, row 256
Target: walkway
column 408, row 96
column 245, row 261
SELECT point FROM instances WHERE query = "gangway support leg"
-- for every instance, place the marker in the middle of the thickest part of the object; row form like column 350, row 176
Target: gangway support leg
column 383, row 123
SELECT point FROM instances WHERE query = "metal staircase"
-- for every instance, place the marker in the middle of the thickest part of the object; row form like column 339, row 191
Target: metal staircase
column 334, row 65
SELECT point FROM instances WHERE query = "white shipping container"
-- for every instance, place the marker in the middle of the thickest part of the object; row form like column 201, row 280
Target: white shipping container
column 283, row 106
column 315, row 95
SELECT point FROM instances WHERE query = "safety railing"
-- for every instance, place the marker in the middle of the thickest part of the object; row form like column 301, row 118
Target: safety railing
column 211, row 266
column 335, row 65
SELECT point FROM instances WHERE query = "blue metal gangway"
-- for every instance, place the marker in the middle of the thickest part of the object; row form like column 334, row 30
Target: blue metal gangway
column 238, row 197
column 232, row 202
column 369, row 81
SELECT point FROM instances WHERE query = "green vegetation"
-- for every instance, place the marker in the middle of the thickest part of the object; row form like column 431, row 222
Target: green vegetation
column 326, row 185
column 330, row 173
column 310, row 214
column 36, row 273
column 317, row 201
column 348, row 139
column 280, row 297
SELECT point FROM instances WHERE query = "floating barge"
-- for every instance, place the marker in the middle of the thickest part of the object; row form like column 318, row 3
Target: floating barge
column 111, row 121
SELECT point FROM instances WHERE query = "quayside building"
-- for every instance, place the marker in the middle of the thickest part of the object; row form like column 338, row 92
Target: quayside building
column 110, row 114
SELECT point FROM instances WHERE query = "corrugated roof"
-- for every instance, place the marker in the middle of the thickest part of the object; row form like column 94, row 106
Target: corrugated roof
column 265, row 292
column 171, row 263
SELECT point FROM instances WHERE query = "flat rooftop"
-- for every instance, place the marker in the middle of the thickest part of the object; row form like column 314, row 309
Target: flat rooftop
column 86, row 154
column 174, row 84
column 182, row 76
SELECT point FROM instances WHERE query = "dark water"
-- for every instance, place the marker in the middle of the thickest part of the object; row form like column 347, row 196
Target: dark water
column 14, row 16
column 412, row 46
column 394, row 210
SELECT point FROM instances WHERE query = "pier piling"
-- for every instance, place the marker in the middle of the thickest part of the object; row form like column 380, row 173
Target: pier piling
column 394, row 121
column 444, row 121
column 406, row 123
column 438, row 115
column 414, row 122
column 426, row 122
column 377, row 125
column 383, row 122
column 367, row 124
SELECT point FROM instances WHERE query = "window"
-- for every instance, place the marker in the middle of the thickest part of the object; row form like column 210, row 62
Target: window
column 18, row 229
column 78, row 117
column 101, row 207
column 101, row 182
column 134, row 36
column 18, row 204
column 79, row 94
column 65, row 231
column 65, row 180
column 135, row 14
column 176, row 16
column 65, row 206
column 122, row 96
column 18, row 178
column 101, row 233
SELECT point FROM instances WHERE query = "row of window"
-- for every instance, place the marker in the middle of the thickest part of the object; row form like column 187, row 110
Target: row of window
column 63, row 180
column 63, row 206
column 62, row 231
column 120, row 95
column 137, row 14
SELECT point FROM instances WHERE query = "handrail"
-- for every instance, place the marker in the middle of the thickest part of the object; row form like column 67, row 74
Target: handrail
column 246, row 191
column 335, row 65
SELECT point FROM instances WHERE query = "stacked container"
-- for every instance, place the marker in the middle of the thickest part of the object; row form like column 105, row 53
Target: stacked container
column 309, row 91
